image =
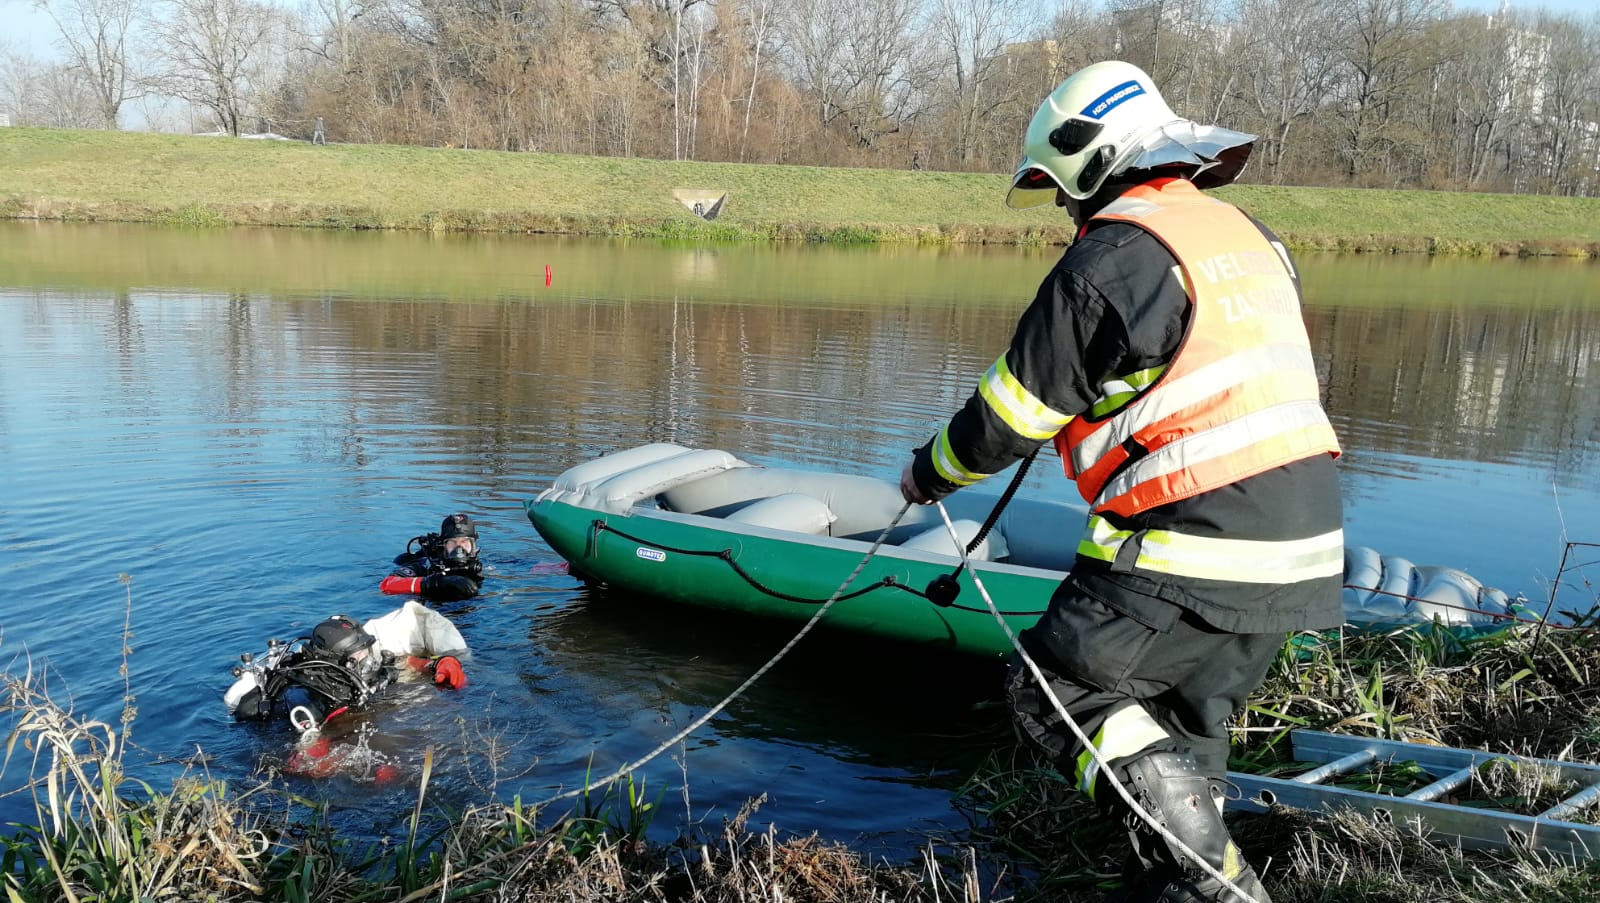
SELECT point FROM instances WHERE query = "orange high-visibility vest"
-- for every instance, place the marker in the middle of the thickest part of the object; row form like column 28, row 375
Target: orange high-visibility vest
column 1239, row 397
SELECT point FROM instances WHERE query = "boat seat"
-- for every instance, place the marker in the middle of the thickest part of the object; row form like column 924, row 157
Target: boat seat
column 618, row 482
column 937, row 540
column 790, row 511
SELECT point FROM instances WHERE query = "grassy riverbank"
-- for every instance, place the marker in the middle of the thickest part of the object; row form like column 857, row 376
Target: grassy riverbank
column 138, row 177
column 103, row 833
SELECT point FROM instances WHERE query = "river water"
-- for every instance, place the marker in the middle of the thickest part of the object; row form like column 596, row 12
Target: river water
column 250, row 424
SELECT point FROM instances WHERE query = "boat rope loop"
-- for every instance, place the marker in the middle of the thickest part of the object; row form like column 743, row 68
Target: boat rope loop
column 1105, row 768
column 726, row 555
column 738, row 691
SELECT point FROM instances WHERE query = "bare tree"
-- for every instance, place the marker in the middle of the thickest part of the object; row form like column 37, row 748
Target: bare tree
column 812, row 36
column 96, row 35
column 972, row 35
column 757, row 20
column 216, row 53
column 1288, row 63
column 1383, row 55
column 1570, row 117
column 333, row 30
column 1363, row 92
column 880, row 43
column 666, row 30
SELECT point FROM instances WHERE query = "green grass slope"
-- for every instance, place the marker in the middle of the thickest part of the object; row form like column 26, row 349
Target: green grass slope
column 141, row 177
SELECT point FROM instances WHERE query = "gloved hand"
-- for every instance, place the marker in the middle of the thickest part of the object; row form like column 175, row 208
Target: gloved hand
column 399, row 585
column 447, row 672
column 909, row 490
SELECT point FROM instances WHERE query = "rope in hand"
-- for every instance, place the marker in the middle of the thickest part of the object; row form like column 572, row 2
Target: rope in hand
column 1088, row 745
column 739, row 690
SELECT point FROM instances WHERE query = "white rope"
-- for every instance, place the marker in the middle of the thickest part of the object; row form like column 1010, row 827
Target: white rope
column 739, row 690
column 1094, row 752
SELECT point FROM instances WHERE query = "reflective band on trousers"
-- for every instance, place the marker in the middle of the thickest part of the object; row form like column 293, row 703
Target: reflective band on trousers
column 1125, row 732
column 1174, row 395
column 1214, row 558
column 1020, row 409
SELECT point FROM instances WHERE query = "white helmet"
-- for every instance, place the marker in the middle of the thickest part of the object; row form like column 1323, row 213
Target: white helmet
column 1109, row 118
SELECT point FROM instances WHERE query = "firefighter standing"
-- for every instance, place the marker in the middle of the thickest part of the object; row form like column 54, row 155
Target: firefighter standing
column 1167, row 358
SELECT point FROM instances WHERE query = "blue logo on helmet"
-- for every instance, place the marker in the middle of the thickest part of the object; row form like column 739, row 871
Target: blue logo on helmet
column 1110, row 100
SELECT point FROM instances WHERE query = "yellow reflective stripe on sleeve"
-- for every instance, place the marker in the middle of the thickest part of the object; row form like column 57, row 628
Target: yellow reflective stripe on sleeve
column 948, row 466
column 1118, row 391
column 1127, row 731
column 1242, row 560
column 1290, row 362
column 1016, row 406
column 1191, row 450
column 1145, row 377
column 1117, row 394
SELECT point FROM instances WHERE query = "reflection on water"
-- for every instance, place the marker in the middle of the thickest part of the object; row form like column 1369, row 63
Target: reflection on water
column 252, row 423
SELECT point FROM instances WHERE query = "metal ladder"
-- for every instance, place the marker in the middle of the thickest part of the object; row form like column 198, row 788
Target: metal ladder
column 1470, row 827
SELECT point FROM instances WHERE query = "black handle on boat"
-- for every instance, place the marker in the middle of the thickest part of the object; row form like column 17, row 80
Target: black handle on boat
column 943, row 589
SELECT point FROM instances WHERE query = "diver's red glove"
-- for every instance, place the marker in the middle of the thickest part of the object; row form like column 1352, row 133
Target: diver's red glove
column 447, row 672
column 396, row 585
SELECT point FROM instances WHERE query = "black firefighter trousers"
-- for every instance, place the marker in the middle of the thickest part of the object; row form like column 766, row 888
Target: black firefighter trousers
column 1098, row 657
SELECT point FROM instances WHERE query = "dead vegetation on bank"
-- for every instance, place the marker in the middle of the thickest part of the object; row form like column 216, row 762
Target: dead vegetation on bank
column 103, row 834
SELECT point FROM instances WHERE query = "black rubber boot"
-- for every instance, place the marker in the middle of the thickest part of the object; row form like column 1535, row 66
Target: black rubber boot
column 1170, row 786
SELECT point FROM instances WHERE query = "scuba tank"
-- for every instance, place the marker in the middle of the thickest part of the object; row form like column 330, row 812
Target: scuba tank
column 338, row 666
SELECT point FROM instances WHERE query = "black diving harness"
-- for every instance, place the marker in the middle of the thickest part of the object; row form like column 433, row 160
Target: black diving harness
column 941, row 590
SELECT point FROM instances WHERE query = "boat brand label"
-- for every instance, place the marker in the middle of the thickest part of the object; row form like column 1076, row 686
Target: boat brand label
column 650, row 554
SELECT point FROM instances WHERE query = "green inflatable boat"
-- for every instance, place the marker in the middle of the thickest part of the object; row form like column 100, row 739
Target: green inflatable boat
column 704, row 528
column 701, row 527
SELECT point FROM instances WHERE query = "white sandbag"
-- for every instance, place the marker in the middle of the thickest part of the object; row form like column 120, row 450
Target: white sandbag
column 790, row 511
column 937, row 539
column 1366, row 574
column 416, row 629
column 1451, row 597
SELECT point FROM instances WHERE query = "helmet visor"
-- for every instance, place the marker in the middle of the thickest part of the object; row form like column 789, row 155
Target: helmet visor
column 1032, row 186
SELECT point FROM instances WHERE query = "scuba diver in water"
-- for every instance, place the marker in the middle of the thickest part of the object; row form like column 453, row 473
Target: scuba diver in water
column 439, row 567
column 339, row 669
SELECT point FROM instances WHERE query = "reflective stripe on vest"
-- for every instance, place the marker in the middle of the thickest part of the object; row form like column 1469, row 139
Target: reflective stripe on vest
column 1240, row 396
column 1215, row 558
